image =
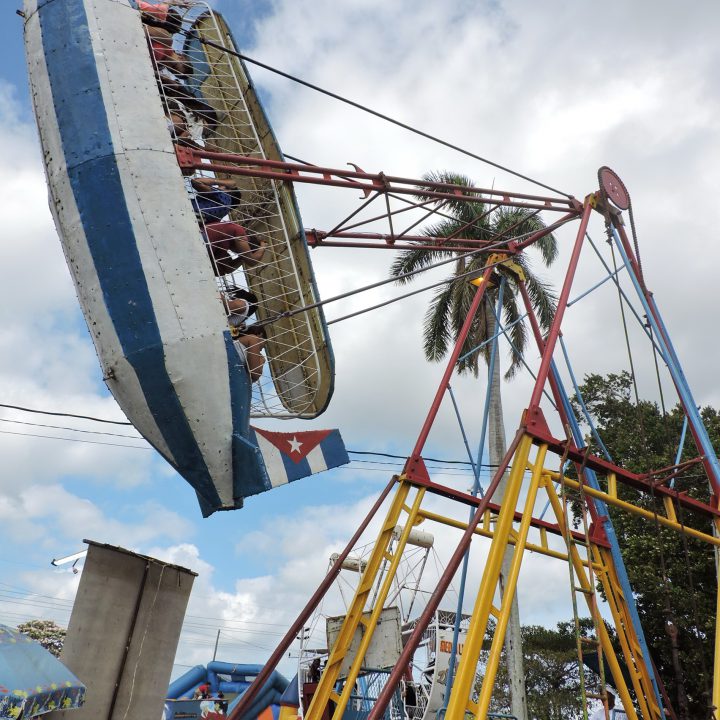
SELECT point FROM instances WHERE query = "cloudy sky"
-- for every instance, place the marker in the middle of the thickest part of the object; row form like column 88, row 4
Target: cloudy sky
column 553, row 90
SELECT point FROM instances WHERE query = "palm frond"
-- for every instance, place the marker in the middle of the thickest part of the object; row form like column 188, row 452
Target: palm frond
column 543, row 298
column 464, row 211
column 548, row 248
column 450, row 305
column 436, row 328
column 515, row 223
column 418, row 258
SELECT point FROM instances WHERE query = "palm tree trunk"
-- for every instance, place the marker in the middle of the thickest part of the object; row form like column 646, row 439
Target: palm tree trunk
column 497, row 449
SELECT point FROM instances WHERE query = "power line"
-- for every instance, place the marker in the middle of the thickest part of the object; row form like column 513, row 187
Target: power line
column 62, row 414
column 426, row 459
column 77, row 440
column 139, row 437
column 72, row 429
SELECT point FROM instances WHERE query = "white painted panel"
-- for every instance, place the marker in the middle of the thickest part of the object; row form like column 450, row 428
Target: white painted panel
column 385, row 646
column 74, row 244
column 177, row 268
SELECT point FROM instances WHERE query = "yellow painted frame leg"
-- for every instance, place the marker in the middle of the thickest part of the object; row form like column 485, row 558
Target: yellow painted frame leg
column 642, row 683
column 493, row 662
column 325, row 690
column 463, row 685
column 580, row 573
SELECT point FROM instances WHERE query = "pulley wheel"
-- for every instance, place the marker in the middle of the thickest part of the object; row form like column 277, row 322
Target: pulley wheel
column 614, row 188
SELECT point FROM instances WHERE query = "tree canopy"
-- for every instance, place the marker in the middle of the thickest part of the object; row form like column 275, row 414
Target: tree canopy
column 50, row 635
column 552, row 677
column 673, row 576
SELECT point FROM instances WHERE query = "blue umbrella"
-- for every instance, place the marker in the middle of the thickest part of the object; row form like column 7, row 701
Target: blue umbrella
column 32, row 680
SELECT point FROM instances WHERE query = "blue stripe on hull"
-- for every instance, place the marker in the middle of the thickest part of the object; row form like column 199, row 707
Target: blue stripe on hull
column 249, row 475
column 98, row 192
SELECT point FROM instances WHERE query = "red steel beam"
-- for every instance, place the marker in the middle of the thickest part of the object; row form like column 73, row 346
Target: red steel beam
column 318, row 238
column 442, row 388
column 638, row 482
column 552, row 337
column 190, row 158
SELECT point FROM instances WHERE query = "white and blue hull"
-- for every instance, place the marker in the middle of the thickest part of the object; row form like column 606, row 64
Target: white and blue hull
column 131, row 241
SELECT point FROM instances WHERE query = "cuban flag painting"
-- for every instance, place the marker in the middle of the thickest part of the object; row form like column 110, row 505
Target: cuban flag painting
column 289, row 456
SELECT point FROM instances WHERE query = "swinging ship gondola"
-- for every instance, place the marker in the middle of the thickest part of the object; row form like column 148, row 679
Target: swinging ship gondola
column 142, row 273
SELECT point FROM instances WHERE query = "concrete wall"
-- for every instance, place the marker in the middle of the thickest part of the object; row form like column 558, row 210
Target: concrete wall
column 124, row 632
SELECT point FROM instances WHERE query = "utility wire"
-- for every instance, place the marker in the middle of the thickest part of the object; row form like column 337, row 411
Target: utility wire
column 139, row 437
column 78, row 430
column 426, row 459
column 61, row 414
column 78, row 440
column 370, row 111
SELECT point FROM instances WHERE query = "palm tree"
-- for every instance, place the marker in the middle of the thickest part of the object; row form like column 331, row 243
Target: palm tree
column 447, row 312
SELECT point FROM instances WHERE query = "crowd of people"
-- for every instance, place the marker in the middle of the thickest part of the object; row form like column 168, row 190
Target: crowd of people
column 191, row 122
column 210, row 703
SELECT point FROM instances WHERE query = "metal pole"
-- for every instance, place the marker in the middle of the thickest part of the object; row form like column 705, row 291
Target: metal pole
column 697, row 427
column 217, row 640
column 562, row 304
column 435, row 406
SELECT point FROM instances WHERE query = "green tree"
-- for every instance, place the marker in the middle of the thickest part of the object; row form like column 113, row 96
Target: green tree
column 551, row 673
column 673, row 576
column 449, row 308
column 50, row 635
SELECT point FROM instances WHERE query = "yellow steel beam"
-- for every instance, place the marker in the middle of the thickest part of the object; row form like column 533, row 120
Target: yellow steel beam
column 491, row 667
column 326, row 686
column 635, row 510
column 604, row 637
column 372, row 621
column 465, row 677
column 542, row 549
column 637, row 664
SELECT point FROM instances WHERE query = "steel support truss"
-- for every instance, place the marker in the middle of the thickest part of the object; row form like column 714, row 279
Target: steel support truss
column 528, row 459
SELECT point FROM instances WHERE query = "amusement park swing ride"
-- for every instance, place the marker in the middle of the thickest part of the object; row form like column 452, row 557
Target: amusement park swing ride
column 157, row 277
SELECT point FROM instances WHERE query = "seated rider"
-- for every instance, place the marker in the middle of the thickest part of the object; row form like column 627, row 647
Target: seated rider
column 165, row 56
column 248, row 341
column 249, row 345
column 215, row 198
column 240, row 304
column 160, row 15
column 224, row 238
column 177, row 126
